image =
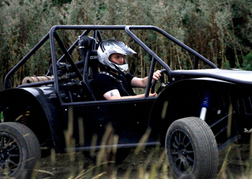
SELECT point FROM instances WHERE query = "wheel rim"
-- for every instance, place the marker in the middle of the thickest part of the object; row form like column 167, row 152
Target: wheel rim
column 9, row 154
column 181, row 151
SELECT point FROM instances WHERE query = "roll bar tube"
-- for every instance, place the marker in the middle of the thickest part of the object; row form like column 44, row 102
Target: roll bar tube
column 52, row 35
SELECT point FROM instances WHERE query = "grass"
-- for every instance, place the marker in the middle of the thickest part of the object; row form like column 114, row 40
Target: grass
column 142, row 162
column 150, row 163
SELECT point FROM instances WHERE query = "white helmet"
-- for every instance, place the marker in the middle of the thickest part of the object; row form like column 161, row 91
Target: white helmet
column 107, row 48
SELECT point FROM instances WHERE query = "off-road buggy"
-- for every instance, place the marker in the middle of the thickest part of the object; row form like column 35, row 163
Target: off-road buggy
column 198, row 111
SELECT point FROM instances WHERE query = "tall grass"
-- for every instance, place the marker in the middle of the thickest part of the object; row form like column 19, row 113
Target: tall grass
column 221, row 30
column 152, row 164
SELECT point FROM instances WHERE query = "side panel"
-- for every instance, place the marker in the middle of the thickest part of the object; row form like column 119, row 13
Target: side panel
column 129, row 119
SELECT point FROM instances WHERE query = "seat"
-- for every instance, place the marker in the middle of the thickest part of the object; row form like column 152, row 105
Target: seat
column 90, row 70
column 87, row 47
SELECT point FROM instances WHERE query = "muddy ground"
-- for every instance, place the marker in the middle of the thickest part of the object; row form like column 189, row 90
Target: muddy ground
column 149, row 163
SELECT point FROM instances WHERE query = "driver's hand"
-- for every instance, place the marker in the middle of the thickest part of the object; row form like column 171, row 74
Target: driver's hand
column 156, row 75
column 152, row 94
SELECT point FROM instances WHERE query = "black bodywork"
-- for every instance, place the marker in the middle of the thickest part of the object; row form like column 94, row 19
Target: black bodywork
column 67, row 99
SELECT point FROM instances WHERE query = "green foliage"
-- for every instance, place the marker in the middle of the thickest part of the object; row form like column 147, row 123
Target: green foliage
column 220, row 31
column 1, row 116
column 248, row 62
column 60, row 2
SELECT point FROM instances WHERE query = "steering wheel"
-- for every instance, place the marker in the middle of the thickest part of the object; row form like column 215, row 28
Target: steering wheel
column 162, row 84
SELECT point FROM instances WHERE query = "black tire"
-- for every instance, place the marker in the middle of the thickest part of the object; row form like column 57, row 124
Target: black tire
column 191, row 149
column 19, row 150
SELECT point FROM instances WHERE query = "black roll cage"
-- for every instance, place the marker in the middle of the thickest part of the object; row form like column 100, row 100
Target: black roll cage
column 52, row 36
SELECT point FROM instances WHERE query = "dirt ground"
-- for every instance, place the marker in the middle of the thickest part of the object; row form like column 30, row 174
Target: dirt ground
column 149, row 163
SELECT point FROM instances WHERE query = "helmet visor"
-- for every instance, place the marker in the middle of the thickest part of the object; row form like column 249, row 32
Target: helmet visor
column 118, row 59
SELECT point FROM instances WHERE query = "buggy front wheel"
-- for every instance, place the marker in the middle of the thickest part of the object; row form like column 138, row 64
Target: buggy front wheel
column 19, row 151
column 191, row 149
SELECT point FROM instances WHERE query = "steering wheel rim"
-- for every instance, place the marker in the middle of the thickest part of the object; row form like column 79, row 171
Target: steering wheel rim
column 155, row 81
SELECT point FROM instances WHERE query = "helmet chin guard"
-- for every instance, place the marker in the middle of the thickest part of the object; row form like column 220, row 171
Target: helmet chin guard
column 109, row 47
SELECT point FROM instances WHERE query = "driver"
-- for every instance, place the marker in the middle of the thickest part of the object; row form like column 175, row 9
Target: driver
column 113, row 82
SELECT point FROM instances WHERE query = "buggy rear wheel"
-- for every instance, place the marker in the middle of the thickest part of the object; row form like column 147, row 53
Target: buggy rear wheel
column 191, row 149
column 19, row 150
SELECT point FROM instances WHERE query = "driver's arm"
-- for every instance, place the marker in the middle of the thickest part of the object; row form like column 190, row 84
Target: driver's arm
column 115, row 94
column 142, row 82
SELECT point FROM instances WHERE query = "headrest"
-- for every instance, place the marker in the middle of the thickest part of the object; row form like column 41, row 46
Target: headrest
column 87, row 42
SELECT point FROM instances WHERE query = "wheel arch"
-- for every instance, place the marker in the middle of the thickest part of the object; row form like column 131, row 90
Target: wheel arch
column 179, row 100
column 34, row 108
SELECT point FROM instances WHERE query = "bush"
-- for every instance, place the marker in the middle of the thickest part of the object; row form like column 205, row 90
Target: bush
column 248, row 62
column 220, row 31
